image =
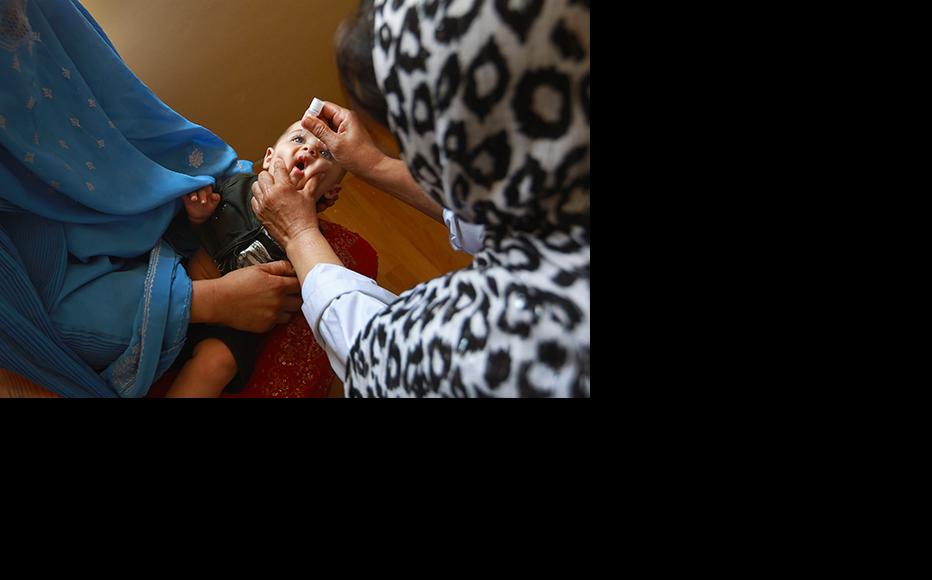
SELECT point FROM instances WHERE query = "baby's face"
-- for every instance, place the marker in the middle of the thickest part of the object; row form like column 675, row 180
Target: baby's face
column 304, row 157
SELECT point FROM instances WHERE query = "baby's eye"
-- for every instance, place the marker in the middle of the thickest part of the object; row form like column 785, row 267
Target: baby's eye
column 298, row 139
column 326, row 155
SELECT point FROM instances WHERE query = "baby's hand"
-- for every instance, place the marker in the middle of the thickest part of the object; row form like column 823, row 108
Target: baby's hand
column 328, row 199
column 201, row 204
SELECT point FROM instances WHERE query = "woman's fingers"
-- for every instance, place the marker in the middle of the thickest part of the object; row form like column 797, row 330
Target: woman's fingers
column 290, row 285
column 267, row 181
column 292, row 304
column 311, row 185
column 260, row 187
column 282, row 268
column 322, row 131
column 329, row 111
column 280, row 174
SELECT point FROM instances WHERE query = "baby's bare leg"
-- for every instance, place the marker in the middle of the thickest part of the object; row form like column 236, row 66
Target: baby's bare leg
column 210, row 369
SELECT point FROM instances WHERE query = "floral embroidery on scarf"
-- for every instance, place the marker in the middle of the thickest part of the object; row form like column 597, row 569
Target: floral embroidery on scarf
column 196, row 159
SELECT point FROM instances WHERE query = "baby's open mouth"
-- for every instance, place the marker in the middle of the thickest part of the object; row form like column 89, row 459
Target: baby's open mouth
column 300, row 165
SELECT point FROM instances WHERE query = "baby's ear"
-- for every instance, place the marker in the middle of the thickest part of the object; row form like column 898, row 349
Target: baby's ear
column 267, row 162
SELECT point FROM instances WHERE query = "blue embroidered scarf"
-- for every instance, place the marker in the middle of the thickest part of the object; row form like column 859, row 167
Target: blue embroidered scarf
column 92, row 169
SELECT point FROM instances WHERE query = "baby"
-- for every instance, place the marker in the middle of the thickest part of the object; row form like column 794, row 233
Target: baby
column 231, row 237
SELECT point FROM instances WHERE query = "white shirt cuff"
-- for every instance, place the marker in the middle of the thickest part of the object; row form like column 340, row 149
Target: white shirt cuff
column 464, row 236
column 338, row 303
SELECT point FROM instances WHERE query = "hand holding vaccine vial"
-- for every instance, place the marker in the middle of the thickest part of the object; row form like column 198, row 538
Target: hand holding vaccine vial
column 314, row 110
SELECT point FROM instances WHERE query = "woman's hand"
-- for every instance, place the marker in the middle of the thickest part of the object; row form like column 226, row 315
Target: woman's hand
column 352, row 147
column 346, row 138
column 253, row 299
column 283, row 209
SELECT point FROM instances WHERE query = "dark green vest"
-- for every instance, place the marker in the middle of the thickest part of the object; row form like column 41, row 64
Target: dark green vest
column 232, row 236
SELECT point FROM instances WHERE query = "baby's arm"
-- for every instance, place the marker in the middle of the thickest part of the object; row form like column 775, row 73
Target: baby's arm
column 201, row 204
column 202, row 267
column 329, row 198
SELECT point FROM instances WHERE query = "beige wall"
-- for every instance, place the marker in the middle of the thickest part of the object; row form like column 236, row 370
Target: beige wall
column 245, row 69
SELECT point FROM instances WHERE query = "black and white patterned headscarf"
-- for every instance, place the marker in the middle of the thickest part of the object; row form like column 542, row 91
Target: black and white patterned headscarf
column 489, row 101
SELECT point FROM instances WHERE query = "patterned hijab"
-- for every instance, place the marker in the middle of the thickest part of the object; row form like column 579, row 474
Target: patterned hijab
column 489, row 102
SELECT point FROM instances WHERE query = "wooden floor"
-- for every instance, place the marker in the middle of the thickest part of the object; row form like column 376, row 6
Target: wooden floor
column 412, row 247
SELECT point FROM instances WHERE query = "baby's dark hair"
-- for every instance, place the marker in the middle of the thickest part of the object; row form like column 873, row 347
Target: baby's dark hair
column 355, row 41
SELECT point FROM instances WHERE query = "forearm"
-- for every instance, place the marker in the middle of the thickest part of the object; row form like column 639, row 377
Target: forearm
column 205, row 296
column 392, row 175
column 308, row 249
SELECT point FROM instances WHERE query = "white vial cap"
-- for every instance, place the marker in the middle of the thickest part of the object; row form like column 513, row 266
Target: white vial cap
column 316, row 106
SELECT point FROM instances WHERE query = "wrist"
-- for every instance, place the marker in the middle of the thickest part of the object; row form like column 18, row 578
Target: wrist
column 373, row 171
column 307, row 250
column 205, row 296
column 305, row 238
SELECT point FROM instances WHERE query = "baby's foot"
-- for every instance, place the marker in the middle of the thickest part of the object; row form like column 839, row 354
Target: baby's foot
column 201, row 204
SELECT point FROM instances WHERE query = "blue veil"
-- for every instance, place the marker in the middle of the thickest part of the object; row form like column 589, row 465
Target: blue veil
column 92, row 169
